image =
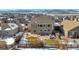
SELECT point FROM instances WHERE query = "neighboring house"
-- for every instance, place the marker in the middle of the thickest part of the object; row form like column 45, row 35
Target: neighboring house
column 42, row 24
column 71, row 28
column 74, row 32
column 8, row 29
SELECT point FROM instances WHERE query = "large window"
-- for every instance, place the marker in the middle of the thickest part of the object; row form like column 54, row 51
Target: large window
column 43, row 25
column 39, row 25
column 74, row 34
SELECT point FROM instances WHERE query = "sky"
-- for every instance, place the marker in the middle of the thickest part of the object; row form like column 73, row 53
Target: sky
column 39, row 4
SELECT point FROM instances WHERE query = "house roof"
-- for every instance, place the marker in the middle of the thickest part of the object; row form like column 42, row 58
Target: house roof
column 42, row 19
column 8, row 26
column 12, row 25
column 69, row 25
column 7, row 29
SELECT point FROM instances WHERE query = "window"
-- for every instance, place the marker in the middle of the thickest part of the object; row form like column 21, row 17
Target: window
column 40, row 30
column 44, row 25
column 48, row 29
column 48, row 25
column 5, row 21
column 7, row 32
column 40, row 25
column 34, row 30
column 26, row 24
column 44, row 30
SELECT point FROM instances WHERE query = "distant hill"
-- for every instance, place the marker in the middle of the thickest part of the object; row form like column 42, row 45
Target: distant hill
column 42, row 10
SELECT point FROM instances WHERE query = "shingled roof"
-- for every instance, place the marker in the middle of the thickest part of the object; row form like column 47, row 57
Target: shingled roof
column 69, row 25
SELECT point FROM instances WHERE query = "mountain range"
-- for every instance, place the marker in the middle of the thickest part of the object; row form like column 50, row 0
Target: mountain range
column 42, row 10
